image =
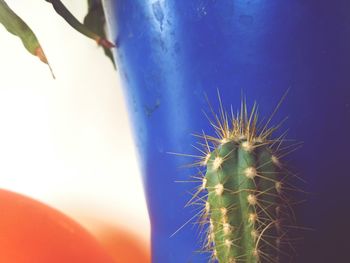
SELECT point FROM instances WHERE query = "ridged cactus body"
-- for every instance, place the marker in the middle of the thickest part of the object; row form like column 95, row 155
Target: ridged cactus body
column 245, row 202
column 241, row 200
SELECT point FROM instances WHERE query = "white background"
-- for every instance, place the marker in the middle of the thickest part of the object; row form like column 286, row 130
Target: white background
column 67, row 142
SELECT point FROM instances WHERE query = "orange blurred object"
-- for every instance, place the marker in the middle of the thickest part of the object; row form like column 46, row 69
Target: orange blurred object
column 122, row 245
column 31, row 232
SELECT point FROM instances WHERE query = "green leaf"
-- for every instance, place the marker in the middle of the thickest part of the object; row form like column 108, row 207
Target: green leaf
column 96, row 21
column 71, row 20
column 15, row 25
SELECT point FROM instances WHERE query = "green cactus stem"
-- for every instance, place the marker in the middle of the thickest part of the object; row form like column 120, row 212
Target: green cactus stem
column 242, row 188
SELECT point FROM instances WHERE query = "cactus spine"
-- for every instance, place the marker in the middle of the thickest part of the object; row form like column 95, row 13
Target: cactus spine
column 243, row 190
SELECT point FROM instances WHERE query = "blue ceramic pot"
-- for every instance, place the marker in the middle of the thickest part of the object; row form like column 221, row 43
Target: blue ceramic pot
column 170, row 53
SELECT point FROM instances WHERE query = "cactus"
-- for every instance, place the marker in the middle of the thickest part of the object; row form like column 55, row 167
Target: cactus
column 244, row 190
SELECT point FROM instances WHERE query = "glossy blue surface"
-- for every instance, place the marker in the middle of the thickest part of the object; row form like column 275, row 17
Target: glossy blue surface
column 172, row 52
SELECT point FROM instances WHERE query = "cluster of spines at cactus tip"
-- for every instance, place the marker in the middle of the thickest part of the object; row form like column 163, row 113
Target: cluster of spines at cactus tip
column 246, row 214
